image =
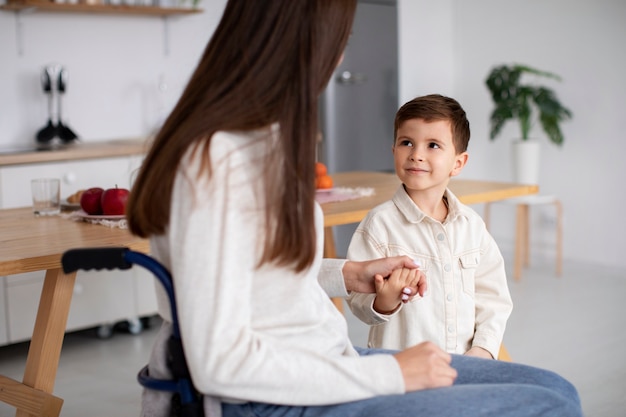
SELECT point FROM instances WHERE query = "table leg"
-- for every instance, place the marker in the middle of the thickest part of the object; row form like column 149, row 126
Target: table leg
column 45, row 346
column 330, row 251
column 559, row 238
column 487, row 215
column 29, row 401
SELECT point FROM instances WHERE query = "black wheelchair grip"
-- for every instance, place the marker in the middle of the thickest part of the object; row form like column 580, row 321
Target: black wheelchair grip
column 95, row 258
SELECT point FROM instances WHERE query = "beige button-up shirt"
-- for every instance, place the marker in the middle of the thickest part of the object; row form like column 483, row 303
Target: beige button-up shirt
column 467, row 302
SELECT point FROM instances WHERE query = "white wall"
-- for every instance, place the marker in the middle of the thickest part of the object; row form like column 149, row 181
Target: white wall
column 115, row 64
column 426, row 50
column 448, row 46
column 451, row 51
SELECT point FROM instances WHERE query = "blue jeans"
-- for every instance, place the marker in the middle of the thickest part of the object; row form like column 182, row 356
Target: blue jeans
column 488, row 388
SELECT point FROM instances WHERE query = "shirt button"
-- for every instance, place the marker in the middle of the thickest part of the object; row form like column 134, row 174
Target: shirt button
column 450, row 297
column 450, row 329
column 440, row 237
column 447, row 267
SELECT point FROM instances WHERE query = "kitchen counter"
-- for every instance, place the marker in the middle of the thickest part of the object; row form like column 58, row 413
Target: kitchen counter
column 77, row 151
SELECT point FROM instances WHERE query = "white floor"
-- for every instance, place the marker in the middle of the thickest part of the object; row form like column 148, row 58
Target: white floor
column 574, row 325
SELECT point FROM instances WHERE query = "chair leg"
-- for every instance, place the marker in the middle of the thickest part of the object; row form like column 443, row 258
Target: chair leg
column 521, row 243
column 526, row 235
column 559, row 237
column 503, row 355
column 522, row 237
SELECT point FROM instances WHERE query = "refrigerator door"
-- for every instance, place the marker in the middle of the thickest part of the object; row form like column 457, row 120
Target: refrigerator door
column 359, row 104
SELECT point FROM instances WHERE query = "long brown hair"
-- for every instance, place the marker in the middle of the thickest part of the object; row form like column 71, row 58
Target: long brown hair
column 268, row 61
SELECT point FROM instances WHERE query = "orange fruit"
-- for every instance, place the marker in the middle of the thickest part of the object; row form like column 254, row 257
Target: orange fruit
column 320, row 169
column 324, row 181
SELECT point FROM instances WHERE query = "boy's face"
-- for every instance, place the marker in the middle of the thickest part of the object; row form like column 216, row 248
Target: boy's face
column 424, row 155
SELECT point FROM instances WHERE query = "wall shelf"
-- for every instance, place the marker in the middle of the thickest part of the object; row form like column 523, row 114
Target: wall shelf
column 20, row 7
column 47, row 6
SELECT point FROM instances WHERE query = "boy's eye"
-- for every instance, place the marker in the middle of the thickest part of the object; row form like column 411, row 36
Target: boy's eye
column 433, row 145
column 405, row 143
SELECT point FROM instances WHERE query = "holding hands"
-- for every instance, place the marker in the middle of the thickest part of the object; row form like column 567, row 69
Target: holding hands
column 394, row 279
column 401, row 286
column 361, row 276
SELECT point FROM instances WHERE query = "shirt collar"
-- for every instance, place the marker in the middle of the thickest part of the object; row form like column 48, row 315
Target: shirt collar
column 412, row 212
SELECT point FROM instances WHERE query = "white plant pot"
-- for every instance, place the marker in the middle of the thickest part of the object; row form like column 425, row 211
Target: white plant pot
column 526, row 156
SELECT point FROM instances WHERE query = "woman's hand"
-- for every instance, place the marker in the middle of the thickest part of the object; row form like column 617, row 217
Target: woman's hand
column 359, row 276
column 425, row 366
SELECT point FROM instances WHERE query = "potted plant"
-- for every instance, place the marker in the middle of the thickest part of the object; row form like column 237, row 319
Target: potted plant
column 525, row 103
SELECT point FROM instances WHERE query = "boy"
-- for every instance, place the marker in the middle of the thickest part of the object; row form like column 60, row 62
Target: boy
column 467, row 302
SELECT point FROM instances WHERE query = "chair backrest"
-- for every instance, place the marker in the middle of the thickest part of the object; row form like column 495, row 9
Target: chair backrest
column 124, row 258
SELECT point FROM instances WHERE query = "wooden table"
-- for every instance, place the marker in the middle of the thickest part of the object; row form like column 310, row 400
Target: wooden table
column 29, row 243
column 385, row 186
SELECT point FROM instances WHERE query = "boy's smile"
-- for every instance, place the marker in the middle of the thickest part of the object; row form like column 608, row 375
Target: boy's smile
column 425, row 157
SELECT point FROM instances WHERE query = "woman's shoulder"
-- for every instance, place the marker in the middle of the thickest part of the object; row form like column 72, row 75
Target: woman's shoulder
column 229, row 149
column 226, row 143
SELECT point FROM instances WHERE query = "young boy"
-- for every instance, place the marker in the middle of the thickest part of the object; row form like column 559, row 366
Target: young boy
column 467, row 302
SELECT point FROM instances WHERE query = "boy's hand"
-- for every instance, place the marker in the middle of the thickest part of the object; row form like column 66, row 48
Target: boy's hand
column 402, row 285
column 479, row 352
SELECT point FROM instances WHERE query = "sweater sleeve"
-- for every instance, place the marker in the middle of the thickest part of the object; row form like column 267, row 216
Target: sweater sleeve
column 214, row 256
column 363, row 246
column 331, row 277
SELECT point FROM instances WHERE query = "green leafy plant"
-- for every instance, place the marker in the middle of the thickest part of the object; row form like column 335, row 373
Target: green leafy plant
column 514, row 100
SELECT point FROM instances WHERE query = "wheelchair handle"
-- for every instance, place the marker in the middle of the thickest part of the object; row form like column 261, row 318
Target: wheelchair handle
column 122, row 258
column 95, row 258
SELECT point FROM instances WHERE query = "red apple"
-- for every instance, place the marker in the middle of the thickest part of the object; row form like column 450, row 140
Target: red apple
column 90, row 201
column 114, row 201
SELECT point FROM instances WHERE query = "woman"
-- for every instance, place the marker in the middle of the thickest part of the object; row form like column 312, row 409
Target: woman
column 226, row 196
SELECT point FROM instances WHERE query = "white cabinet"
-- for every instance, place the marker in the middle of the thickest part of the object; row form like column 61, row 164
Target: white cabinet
column 145, row 295
column 74, row 175
column 100, row 297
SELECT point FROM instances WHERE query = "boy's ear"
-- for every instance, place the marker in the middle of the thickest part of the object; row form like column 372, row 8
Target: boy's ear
column 459, row 162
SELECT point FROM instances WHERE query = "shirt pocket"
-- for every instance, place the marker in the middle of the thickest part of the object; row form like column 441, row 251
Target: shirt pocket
column 469, row 263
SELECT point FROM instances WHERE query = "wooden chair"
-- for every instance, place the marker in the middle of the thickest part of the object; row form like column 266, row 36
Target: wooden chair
column 504, row 354
column 522, row 226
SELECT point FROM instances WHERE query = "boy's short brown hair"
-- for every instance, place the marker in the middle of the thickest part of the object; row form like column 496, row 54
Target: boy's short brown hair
column 435, row 107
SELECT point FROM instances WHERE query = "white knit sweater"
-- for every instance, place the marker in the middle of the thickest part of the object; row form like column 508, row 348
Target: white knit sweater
column 256, row 334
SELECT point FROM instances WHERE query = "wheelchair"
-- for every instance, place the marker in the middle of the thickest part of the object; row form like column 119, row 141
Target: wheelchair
column 186, row 401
